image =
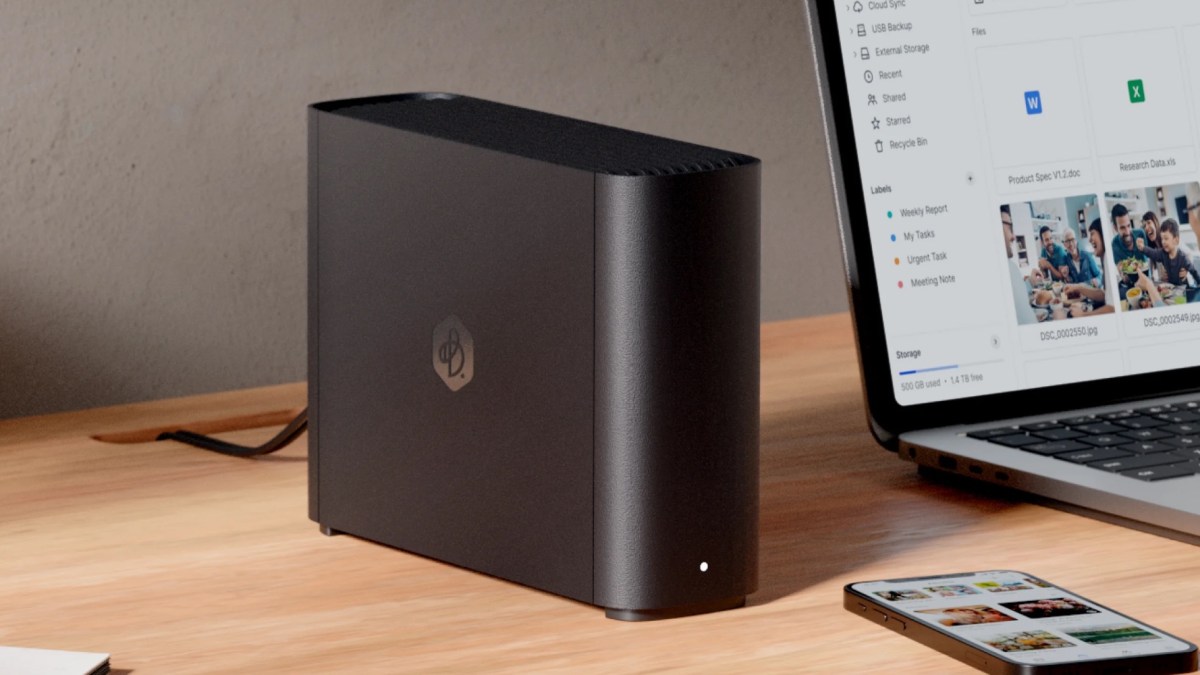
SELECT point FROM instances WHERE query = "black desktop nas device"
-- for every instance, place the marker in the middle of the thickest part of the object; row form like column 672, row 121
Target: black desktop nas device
column 533, row 349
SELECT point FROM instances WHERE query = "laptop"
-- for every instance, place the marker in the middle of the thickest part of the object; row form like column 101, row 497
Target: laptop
column 1018, row 188
column 27, row 661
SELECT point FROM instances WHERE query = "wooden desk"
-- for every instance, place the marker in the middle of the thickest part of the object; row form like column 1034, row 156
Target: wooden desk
column 177, row 560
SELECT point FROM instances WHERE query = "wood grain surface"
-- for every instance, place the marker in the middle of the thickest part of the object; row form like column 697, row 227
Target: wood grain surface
column 177, row 560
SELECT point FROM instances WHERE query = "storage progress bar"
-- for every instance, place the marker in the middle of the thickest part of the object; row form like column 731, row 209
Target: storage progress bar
column 928, row 370
column 953, row 367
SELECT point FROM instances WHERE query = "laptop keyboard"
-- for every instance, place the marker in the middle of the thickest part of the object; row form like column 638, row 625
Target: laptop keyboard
column 1152, row 443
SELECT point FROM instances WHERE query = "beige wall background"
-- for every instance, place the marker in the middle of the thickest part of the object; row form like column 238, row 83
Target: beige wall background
column 152, row 190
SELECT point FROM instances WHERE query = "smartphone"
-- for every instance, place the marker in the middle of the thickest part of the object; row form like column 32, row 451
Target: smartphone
column 1003, row 621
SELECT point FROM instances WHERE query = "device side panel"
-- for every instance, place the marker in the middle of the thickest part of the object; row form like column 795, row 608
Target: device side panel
column 677, row 358
column 314, row 221
column 455, row 353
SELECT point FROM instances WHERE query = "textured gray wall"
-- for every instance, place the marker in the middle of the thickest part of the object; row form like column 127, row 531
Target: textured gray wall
column 152, row 240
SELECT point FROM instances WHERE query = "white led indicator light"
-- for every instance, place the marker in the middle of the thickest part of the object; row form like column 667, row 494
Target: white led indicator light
column 703, row 567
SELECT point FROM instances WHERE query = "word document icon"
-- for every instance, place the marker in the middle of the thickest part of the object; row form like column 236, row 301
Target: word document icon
column 1033, row 103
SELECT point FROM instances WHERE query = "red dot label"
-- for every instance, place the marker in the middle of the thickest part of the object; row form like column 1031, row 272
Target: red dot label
column 900, row 284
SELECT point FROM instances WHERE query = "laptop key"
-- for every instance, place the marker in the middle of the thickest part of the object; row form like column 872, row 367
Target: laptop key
column 1056, row 447
column 1146, row 447
column 1145, row 434
column 1179, row 417
column 1093, row 455
column 1040, row 426
column 1182, row 442
column 1137, row 462
column 1181, row 429
column 1099, row 428
column 1163, row 472
column 1141, row 422
column 1076, row 421
column 1191, row 453
column 1154, row 410
column 984, row 434
column 1119, row 415
column 1059, row 434
column 1104, row 440
column 1016, row 440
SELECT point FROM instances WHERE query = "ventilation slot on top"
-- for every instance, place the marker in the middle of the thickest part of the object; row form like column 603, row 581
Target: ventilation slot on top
column 540, row 136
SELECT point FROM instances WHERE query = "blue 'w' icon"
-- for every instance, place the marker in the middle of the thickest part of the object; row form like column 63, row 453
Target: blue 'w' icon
column 1033, row 103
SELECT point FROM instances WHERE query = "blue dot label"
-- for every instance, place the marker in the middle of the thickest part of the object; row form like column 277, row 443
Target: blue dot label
column 893, row 237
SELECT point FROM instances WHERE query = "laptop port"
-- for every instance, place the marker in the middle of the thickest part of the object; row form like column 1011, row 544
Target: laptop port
column 975, row 468
column 947, row 462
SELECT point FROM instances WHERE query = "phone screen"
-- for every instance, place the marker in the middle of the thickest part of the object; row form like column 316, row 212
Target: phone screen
column 1020, row 617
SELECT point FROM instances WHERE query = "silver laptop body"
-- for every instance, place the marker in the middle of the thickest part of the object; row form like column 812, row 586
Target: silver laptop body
column 1001, row 168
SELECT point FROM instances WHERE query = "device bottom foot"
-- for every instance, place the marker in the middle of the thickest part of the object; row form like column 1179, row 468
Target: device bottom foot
column 329, row 531
column 674, row 612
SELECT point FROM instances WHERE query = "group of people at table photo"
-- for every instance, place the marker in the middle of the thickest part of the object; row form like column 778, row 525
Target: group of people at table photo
column 1154, row 268
column 1152, row 265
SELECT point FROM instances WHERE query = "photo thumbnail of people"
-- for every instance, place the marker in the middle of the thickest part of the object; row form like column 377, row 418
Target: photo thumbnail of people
column 1055, row 253
column 1002, row 586
column 1048, row 608
column 1154, row 248
column 1027, row 641
column 951, row 590
column 966, row 616
column 901, row 595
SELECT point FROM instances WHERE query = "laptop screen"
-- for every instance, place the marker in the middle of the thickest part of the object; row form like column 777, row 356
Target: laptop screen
column 1032, row 187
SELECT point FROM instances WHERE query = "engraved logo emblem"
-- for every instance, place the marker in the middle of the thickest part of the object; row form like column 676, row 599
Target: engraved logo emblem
column 453, row 353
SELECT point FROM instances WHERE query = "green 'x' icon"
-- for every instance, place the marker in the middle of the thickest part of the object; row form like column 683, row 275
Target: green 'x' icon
column 1137, row 92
